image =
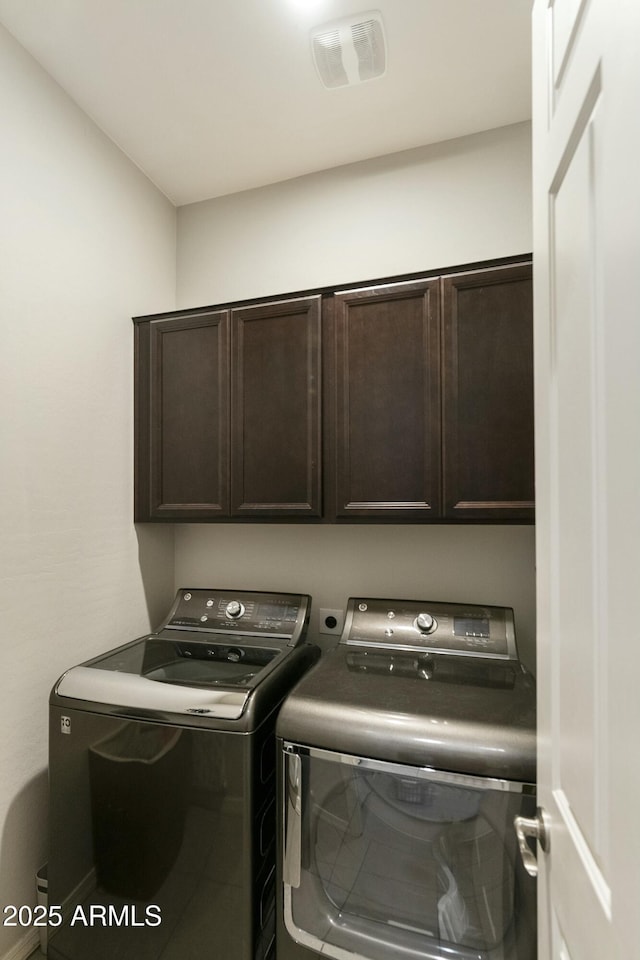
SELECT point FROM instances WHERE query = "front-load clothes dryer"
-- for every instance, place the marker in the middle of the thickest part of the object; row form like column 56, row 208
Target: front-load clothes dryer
column 162, row 784
column 404, row 756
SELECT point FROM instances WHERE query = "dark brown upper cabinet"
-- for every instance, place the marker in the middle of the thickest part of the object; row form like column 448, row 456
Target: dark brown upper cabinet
column 487, row 390
column 182, row 417
column 427, row 404
column 430, row 399
column 228, row 413
column 383, row 347
column 275, row 409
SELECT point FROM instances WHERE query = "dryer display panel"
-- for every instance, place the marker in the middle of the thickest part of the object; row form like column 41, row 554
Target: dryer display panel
column 391, row 862
column 472, row 627
column 463, row 629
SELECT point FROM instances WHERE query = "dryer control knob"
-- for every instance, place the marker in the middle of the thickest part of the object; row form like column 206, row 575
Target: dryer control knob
column 426, row 623
column 234, row 609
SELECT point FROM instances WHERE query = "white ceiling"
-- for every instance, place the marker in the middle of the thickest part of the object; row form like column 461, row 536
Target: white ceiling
column 210, row 97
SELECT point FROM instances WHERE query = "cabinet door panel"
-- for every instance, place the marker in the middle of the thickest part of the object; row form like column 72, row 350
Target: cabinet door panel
column 275, row 459
column 387, row 443
column 488, row 394
column 187, row 417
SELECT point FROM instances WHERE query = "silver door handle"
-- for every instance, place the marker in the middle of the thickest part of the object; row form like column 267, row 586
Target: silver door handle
column 293, row 821
column 535, row 828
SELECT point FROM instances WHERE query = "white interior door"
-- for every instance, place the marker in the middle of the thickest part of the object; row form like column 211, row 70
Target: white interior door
column 586, row 263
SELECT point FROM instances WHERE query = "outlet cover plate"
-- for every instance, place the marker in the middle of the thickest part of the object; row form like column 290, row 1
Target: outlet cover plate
column 326, row 614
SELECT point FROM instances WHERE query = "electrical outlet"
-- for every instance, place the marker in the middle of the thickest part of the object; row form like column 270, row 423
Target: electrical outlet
column 331, row 621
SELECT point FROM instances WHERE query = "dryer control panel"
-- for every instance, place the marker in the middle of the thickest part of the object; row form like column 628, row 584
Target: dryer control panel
column 277, row 616
column 462, row 629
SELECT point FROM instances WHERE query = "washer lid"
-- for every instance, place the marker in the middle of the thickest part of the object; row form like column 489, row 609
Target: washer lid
column 461, row 714
column 127, row 690
column 186, row 673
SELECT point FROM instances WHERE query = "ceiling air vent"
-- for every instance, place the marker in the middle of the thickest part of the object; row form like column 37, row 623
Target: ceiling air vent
column 350, row 51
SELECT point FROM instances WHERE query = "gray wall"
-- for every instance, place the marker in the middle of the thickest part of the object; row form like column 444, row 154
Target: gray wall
column 455, row 202
column 85, row 242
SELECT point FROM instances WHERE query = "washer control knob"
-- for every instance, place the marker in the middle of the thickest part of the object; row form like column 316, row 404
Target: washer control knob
column 426, row 623
column 234, row 609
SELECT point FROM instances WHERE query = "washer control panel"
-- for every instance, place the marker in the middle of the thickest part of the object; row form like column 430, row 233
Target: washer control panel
column 281, row 616
column 463, row 629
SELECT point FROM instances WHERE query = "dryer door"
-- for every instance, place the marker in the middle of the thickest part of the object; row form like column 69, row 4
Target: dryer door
column 390, row 862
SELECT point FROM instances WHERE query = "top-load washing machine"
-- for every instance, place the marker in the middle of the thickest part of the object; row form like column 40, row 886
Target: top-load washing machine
column 162, row 784
column 404, row 756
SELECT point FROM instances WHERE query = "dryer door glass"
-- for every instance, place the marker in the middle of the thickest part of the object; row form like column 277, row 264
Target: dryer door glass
column 392, row 862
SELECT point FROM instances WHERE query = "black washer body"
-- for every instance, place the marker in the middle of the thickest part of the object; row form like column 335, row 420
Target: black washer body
column 162, row 783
